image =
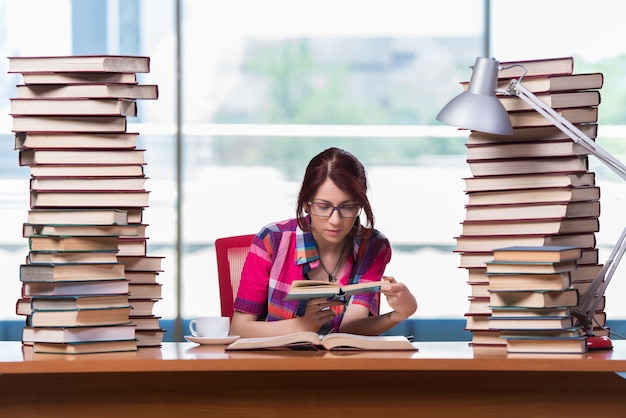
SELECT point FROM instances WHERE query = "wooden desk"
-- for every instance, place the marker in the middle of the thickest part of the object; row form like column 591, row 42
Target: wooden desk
column 184, row 379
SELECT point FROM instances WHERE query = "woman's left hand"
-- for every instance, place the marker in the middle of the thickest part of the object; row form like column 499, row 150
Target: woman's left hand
column 399, row 298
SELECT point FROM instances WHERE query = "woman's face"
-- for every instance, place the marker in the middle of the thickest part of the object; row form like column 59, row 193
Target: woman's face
column 334, row 228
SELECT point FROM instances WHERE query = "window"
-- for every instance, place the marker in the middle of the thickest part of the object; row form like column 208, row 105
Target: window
column 593, row 49
column 267, row 85
column 286, row 85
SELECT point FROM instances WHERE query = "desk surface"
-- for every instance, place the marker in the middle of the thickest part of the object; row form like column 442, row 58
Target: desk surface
column 441, row 379
column 190, row 357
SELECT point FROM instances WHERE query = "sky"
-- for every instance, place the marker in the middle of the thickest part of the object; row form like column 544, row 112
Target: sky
column 534, row 28
column 544, row 28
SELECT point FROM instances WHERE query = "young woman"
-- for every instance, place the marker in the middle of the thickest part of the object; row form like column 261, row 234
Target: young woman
column 326, row 241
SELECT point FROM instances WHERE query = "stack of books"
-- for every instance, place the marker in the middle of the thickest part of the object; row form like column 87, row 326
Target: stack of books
column 532, row 188
column 87, row 199
column 531, row 297
column 142, row 272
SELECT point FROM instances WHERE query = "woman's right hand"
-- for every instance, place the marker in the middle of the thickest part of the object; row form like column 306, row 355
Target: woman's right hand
column 318, row 313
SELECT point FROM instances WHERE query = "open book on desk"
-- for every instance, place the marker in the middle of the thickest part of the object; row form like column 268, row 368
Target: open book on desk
column 309, row 289
column 334, row 341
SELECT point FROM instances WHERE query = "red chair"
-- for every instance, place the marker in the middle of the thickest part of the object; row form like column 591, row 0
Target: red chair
column 231, row 253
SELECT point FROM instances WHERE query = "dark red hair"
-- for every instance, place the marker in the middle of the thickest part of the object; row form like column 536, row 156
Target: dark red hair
column 346, row 172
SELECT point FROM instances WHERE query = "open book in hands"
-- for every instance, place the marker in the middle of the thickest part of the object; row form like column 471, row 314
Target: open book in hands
column 310, row 289
column 334, row 341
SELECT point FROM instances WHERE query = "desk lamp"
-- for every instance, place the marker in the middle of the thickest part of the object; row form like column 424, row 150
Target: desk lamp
column 479, row 109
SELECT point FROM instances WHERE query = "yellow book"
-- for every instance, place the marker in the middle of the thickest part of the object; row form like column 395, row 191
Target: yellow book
column 309, row 289
column 334, row 341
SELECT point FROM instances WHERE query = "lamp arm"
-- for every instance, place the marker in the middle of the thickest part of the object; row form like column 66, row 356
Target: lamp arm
column 516, row 88
column 593, row 297
column 590, row 301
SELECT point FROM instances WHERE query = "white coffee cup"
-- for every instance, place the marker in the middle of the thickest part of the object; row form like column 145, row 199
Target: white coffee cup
column 210, row 326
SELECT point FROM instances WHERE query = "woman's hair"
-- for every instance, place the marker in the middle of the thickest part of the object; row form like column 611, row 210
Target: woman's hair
column 346, row 172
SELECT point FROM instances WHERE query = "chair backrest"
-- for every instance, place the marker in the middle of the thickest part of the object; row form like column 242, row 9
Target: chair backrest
column 231, row 253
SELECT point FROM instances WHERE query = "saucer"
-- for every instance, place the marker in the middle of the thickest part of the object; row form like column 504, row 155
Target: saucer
column 212, row 340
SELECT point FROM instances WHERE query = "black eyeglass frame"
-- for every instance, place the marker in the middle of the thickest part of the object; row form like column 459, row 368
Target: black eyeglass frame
column 333, row 209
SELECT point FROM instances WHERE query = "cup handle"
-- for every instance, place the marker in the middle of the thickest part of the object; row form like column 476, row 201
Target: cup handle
column 192, row 328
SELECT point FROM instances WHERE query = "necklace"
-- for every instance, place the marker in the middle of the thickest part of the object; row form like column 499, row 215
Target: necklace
column 331, row 275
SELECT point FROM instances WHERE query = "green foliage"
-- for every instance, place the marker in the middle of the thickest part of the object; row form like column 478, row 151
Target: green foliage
column 613, row 92
column 301, row 90
column 291, row 155
column 300, row 85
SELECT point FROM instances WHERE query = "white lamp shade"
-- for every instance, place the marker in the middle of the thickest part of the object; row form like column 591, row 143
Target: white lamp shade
column 478, row 108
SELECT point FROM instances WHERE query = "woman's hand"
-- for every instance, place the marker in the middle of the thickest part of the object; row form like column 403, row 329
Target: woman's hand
column 399, row 298
column 318, row 313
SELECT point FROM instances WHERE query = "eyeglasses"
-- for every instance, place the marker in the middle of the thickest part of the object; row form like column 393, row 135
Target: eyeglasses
column 326, row 210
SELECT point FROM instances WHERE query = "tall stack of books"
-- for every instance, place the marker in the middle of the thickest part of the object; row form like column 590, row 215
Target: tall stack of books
column 532, row 188
column 87, row 199
column 531, row 297
column 142, row 272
